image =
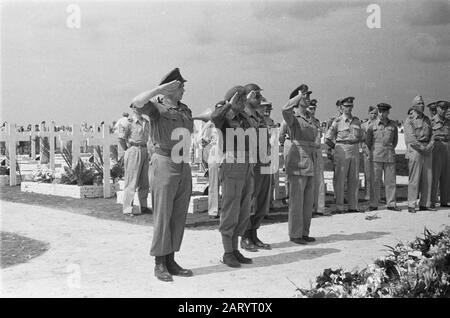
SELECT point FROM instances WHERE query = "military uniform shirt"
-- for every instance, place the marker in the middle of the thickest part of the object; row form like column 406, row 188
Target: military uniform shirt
column 136, row 131
column 417, row 130
column 345, row 129
column 382, row 138
column 164, row 119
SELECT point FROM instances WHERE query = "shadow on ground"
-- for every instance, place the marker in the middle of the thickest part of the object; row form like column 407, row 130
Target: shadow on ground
column 17, row 249
column 264, row 261
column 371, row 235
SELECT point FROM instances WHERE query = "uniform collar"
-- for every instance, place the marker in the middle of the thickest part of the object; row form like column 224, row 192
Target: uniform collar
column 349, row 119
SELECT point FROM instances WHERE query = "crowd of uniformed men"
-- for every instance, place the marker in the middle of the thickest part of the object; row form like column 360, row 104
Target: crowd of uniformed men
column 247, row 189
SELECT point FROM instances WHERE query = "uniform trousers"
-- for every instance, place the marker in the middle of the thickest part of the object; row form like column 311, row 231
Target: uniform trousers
column 319, row 183
column 171, row 187
column 301, row 199
column 390, row 183
column 236, row 180
column 441, row 172
column 213, row 188
column 420, row 178
column 260, row 198
column 136, row 166
column 347, row 169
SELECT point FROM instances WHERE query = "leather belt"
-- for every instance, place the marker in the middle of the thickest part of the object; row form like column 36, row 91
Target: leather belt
column 135, row 144
column 347, row 142
column 166, row 152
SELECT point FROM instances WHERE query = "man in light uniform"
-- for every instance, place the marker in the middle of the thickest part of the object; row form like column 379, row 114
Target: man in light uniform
column 419, row 145
column 381, row 140
column 368, row 163
column 346, row 130
column 171, row 182
column 133, row 136
column 441, row 155
column 330, row 151
column 319, row 182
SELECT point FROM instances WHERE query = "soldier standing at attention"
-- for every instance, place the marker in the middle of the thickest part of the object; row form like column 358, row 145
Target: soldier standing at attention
column 300, row 165
column 319, row 182
column 441, row 155
column 368, row 163
column 133, row 136
column 262, row 181
column 381, row 140
column 346, row 130
column 419, row 153
column 236, row 177
column 330, row 152
column 171, row 183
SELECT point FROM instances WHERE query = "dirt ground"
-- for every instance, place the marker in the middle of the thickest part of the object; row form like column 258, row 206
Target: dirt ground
column 92, row 257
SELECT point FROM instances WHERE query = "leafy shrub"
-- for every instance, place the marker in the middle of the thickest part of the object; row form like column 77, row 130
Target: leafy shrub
column 419, row 269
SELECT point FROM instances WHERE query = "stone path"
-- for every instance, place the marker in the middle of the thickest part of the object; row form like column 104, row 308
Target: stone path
column 91, row 257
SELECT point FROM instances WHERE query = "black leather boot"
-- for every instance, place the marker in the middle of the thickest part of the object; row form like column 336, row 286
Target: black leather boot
column 258, row 242
column 247, row 242
column 161, row 271
column 176, row 269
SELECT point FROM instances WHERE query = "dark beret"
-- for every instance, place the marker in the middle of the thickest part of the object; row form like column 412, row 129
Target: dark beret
column 173, row 75
column 251, row 87
column 347, row 101
column 302, row 88
column 383, row 106
column 371, row 108
column 236, row 89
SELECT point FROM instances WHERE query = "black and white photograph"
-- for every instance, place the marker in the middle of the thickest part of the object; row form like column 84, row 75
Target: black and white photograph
column 225, row 154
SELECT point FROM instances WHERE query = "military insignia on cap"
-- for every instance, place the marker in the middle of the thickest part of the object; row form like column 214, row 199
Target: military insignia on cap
column 348, row 100
column 384, row 106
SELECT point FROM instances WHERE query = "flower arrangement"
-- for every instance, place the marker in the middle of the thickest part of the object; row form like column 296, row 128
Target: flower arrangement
column 43, row 174
column 411, row 270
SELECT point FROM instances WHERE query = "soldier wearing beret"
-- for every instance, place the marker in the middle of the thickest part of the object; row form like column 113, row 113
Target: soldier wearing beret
column 171, row 182
column 346, row 131
column 319, row 182
column 236, row 177
column 381, row 140
column 419, row 145
column 262, row 181
column 368, row 163
column 300, row 165
column 441, row 155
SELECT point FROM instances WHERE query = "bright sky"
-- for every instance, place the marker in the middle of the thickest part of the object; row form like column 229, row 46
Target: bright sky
column 52, row 72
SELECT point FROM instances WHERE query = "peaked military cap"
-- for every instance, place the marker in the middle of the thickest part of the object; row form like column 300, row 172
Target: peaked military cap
column 383, row 106
column 302, row 88
column 173, row 75
column 442, row 104
column 347, row 101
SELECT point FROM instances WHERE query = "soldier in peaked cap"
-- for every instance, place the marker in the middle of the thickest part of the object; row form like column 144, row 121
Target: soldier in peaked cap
column 319, row 182
column 441, row 155
column 300, row 166
column 262, row 181
column 171, row 182
column 347, row 133
column 381, row 139
column 368, row 163
column 236, row 177
column 432, row 109
column 419, row 145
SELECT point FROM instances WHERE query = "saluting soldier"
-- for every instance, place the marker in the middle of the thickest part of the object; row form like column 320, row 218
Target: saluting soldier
column 236, row 177
column 441, row 155
column 319, row 182
column 300, row 165
column 381, row 140
column 262, row 181
column 419, row 145
column 133, row 136
column 346, row 130
column 171, row 182
column 367, row 155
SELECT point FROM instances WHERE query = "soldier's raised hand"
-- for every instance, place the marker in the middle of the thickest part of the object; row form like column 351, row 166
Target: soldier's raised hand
column 169, row 88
